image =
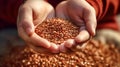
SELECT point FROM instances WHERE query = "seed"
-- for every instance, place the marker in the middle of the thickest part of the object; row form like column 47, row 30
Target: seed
column 57, row 30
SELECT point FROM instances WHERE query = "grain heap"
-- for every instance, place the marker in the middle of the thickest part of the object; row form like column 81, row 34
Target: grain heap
column 94, row 54
column 57, row 30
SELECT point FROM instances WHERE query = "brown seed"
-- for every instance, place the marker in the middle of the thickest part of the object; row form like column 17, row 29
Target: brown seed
column 57, row 30
column 94, row 54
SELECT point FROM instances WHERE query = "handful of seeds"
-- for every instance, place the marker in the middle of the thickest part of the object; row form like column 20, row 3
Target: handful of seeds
column 95, row 54
column 57, row 30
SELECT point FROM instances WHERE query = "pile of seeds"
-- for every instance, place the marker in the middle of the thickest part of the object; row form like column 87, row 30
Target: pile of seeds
column 94, row 54
column 57, row 30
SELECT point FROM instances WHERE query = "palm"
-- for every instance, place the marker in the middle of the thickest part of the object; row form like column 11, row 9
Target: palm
column 80, row 13
column 32, row 13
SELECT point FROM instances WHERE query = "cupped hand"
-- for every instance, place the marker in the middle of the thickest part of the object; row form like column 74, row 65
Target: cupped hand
column 83, row 15
column 31, row 13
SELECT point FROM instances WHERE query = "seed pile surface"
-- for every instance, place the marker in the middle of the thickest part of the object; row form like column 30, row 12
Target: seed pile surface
column 94, row 54
column 57, row 30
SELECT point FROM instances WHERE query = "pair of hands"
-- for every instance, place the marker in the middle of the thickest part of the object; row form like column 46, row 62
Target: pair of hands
column 33, row 12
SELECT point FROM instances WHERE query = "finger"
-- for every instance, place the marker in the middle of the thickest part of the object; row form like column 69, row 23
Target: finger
column 22, row 33
column 54, row 48
column 77, row 20
column 90, row 20
column 51, row 13
column 34, row 39
column 38, row 48
column 39, row 41
column 26, row 20
column 69, row 43
column 83, row 36
column 62, row 48
column 61, row 10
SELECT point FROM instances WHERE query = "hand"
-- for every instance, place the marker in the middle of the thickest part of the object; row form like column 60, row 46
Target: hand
column 32, row 13
column 83, row 15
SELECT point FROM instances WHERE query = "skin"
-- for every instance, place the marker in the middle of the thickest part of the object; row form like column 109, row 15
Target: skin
column 33, row 12
column 83, row 15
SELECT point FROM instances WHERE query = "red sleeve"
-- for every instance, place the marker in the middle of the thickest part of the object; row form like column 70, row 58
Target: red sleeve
column 9, row 11
column 106, row 11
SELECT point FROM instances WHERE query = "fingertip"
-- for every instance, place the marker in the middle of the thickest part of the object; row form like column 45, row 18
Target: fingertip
column 78, row 39
column 93, row 34
column 54, row 48
column 69, row 43
column 45, row 43
column 92, row 30
column 82, row 36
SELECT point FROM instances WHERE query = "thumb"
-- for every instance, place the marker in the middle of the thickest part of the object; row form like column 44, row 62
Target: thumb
column 26, row 20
